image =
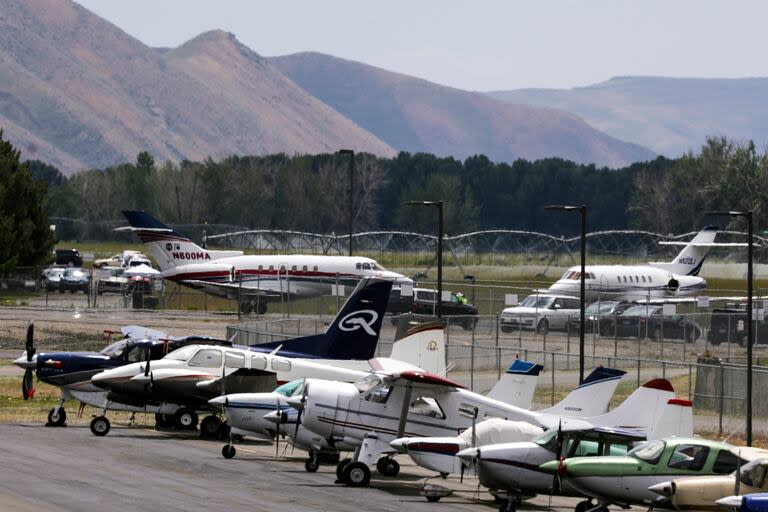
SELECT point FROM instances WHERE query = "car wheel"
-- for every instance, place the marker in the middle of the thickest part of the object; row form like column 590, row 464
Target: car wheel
column 543, row 326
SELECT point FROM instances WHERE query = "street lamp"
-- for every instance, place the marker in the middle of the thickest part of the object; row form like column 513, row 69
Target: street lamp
column 582, row 209
column 748, row 216
column 351, row 154
column 439, row 205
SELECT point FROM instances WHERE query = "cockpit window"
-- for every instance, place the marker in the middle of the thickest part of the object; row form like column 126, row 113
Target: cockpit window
column 368, row 384
column 689, row 456
column 547, row 440
column 426, row 406
column 182, row 354
column 115, row 349
column 207, row 357
column 650, row 452
column 289, row 388
column 136, row 354
column 377, row 266
column 754, row 473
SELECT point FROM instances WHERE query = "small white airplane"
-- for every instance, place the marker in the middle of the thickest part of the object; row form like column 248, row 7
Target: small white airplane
column 511, row 469
column 403, row 401
column 677, row 278
column 590, row 398
column 245, row 412
column 255, row 280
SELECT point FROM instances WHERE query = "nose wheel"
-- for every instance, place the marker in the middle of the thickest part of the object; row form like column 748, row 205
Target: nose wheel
column 57, row 417
column 100, row 426
column 313, row 462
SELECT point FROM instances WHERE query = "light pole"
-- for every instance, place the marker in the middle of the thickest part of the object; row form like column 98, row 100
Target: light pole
column 748, row 216
column 351, row 154
column 582, row 209
column 439, row 205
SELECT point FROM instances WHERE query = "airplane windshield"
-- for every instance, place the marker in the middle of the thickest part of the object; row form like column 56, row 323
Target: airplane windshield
column 547, row 440
column 369, row 383
column 648, row 452
column 377, row 266
column 535, row 301
column 115, row 349
column 289, row 388
column 182, row 354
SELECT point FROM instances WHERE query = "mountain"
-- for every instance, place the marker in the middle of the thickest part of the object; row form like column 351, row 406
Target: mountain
column 78, row 92
column 416, row 115
column 668, row 115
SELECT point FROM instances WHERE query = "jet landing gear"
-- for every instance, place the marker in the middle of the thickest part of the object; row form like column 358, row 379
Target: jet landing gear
column 100, row 426
column 249, row 307
column 57, row 416
column 387, row 466
column 212, row 427
column 313, row 462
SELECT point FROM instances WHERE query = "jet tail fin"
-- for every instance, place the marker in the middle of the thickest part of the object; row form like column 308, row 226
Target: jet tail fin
column 354, row 332
column 642, row 410
column 591, row 397
column 689, row 261
column 167, row 247
column 517, row 385
column 676, row 419
column 422, row 346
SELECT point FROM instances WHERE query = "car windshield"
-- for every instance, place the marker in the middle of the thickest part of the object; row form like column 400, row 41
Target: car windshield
column 115, row 349
column 640, row 311
column 536, row 301
column 182, row 354
column 55, row 272
column 74, row 272
column 289, row 388
column 649, row 452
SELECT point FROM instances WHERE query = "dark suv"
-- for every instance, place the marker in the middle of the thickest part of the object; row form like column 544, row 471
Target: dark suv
column 422, row 302
column 730, row 325
column 68, row 257
column 646, row 321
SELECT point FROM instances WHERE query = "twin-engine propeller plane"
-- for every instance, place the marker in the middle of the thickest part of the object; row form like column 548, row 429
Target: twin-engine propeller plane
column 396, row 402
column 183, row 382
column 254, row 280
column 590, row 398
column 71, row 372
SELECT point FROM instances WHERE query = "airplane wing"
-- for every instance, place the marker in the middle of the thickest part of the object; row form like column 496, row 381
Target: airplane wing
column 423, row 380
column 268, row 290
column 688, row 300
column 138, row 332
column 707, row 244
column 387, row 365
column 242, row 380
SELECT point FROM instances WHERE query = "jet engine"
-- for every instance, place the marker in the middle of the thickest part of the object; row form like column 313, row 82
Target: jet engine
column 673, row 285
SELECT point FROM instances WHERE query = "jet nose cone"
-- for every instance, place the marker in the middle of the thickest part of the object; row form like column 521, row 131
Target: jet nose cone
column 400, row 444
column 22, row 362
column 663, row 488
column 101, row 379
column 219, row 401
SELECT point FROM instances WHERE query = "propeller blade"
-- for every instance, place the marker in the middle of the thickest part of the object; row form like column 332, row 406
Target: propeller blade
column 298, row 416
column 561, row 459
column 149, row 358
column 737, row 483
column 27, row 385
column 277, row 435
column 30, row 344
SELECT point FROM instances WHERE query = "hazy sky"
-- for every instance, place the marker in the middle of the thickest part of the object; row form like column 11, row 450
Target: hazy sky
column 480, row 44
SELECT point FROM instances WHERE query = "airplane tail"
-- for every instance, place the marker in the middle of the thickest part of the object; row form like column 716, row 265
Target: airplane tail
column 354, row 332
column 675, row 420
column 167, row 247
column 423, row 346
column 642, row 410
column 517, row 385
column 691, row 258
column 591, row 397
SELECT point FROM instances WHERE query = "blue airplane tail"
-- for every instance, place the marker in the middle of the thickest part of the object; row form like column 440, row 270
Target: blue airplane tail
column 354, row 332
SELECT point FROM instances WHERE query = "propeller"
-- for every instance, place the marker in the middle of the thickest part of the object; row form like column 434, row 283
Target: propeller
column 559, row 454
column 279, row 414
column 304, row 389
column 737, row 483
column 27, row 383
column 148, row 371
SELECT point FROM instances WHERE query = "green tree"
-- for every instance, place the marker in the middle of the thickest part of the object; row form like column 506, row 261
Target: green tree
column 25, row 235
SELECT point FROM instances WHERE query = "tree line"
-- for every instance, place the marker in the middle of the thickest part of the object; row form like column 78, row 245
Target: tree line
column 311, row 192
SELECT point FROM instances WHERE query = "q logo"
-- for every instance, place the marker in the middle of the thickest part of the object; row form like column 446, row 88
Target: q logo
column 362, row 319
column 432, row 345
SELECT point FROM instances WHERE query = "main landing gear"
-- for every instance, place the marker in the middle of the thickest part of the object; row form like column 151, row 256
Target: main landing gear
column 100, row 426
column 249, row 307
column 57, row 416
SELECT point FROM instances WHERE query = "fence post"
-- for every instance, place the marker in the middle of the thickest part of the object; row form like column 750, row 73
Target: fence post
column 498, row 363
column 472, row 363
column 690, row 381
column 638, row 369
column 721, row 398
column 553, row 379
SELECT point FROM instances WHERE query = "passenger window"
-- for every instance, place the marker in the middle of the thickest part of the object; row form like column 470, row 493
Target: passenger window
column 379, row 395
column 426, row 406
column 315, row 268
column 258, row 362
column 234, row 360
column 304, row 268
column 637, row 279
column 282, row 268
column 625, row 279
column 643, row 278
column 271, row 268
column 207, row 357
column 725, row 463
column 618, row 278
column 281, row 365
column 293, row 268
column 691, row 457
column 649, row 279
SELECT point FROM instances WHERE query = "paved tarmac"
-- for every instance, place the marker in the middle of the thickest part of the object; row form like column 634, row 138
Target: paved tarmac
column 142, row 469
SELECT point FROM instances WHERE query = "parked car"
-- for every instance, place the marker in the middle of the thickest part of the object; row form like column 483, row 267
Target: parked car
column 68, row 257
column 51, row 278
column 74, row 280
column 111, row 279
column 422, row 302
column 730, row 325
column 137, row 260
column 113, row 261
column 643, row 321
column 599, row 316
column 540, row 312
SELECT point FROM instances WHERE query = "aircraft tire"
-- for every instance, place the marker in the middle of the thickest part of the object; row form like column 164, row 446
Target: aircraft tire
column 209, row 427
column 185, row 419
column 100, row 426
column 163, row 421
column 228, row 451
column 262, row 308
column 507, row 506
column 312, row 464
column 388, row 466
column 57, row 420
column 357, row 474
column 340, row 469
column 583, row 506
column 246, row 308
column 433, row 499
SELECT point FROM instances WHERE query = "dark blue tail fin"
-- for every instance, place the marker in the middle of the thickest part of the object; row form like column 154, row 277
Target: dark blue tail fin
column 354, row 332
